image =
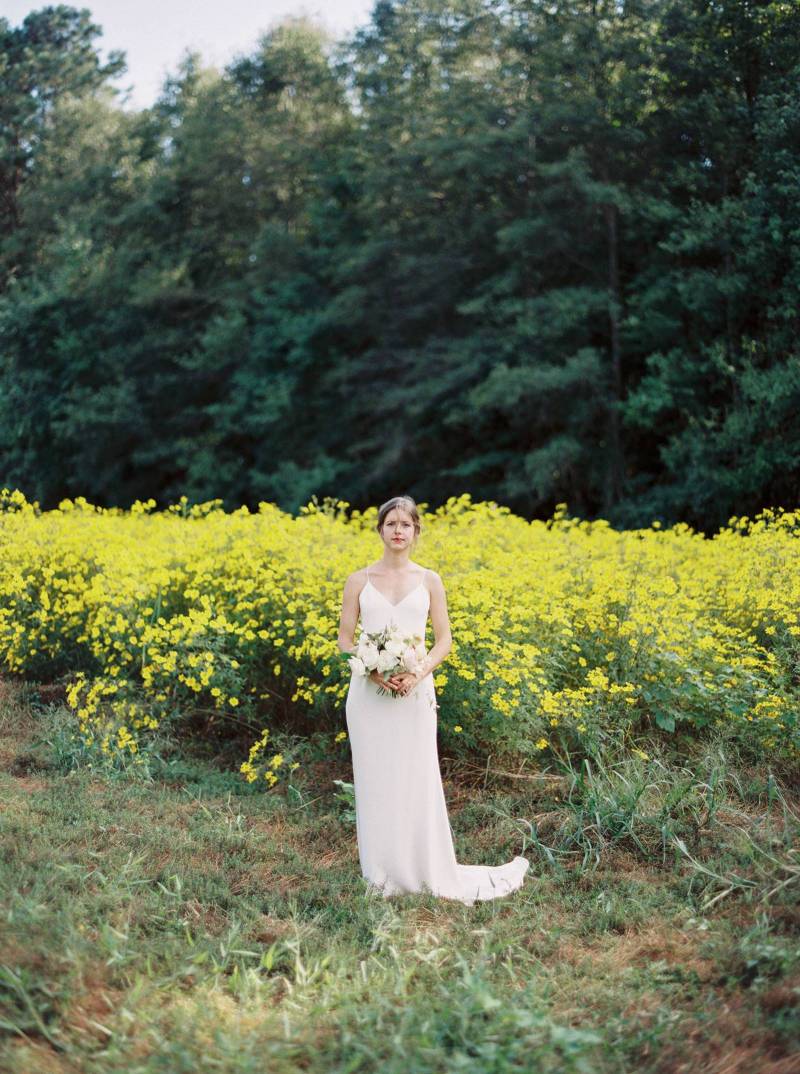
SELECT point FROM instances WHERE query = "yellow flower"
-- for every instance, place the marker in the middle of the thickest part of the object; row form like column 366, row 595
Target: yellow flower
column 699, row 615
column 458, row 728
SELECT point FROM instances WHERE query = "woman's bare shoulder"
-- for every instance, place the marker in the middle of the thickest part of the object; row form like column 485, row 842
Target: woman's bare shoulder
column 433, row 579
column 356, row 578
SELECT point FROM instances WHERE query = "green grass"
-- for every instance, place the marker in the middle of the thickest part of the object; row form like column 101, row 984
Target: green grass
column 189, row 923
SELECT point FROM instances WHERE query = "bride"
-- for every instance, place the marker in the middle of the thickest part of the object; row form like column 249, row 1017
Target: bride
column 405, row 843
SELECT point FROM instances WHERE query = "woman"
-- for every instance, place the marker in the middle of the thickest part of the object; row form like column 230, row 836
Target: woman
column 405, row 844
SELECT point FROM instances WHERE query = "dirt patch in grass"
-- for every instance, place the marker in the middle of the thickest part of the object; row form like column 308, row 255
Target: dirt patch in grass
column 30, row 784
column 323, row 845
column 87, row 1013
column 729, row 1039
column 205, row 859
column 270, row 929
column 730, row 1044
column 209, row 919
column 327, row 844
column 32, row 1057
column 271, row 877
column 279, row 828
column 332, row 857
column 22, row 956
column 44, row 978
column 616, row 951
column 786, row 918
column 657, row 944
column 621, row 860
column 425, row 916
column 783, row 996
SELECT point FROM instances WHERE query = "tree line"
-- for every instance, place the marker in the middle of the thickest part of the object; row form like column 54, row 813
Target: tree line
column 541, row 251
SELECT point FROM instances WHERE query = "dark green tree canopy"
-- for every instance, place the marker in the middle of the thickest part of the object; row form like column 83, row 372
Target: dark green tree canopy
column 538, row 252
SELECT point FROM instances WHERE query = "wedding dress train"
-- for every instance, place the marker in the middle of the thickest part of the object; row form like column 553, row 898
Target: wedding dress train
column 405, row 842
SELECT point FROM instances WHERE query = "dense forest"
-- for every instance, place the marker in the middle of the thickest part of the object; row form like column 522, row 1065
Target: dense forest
column 540, row 251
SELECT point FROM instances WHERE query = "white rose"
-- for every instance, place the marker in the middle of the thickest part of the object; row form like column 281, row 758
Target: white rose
column 386, row 660
column 410, row 659
column 395, row 646
column 357, row 666
column 368, row 653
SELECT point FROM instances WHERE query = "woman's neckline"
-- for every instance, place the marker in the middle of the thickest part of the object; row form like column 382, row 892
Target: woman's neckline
column 395, row 603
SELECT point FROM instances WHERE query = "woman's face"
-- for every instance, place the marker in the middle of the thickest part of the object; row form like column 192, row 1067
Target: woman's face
column 398, row 529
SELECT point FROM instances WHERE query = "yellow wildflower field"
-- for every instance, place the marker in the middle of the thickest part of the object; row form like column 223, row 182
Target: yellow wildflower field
column 567, row 634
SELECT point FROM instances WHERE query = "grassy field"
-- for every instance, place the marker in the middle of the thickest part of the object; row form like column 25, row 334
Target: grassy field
column 187, row 922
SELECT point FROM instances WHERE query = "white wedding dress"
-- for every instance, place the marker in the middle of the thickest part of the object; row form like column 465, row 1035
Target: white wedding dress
column 405, row 843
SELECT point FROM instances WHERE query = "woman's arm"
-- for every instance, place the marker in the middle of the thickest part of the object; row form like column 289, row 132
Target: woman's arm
column 440, row 621
column 349, row 615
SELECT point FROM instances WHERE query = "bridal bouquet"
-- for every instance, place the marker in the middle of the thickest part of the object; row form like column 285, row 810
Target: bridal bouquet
column 388, row 651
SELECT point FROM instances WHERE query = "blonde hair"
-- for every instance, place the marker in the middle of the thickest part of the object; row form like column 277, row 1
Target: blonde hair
column 406, row 503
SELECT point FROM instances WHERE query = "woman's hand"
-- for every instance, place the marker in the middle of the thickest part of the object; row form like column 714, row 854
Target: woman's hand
column 378, row 679
column 403, row 681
